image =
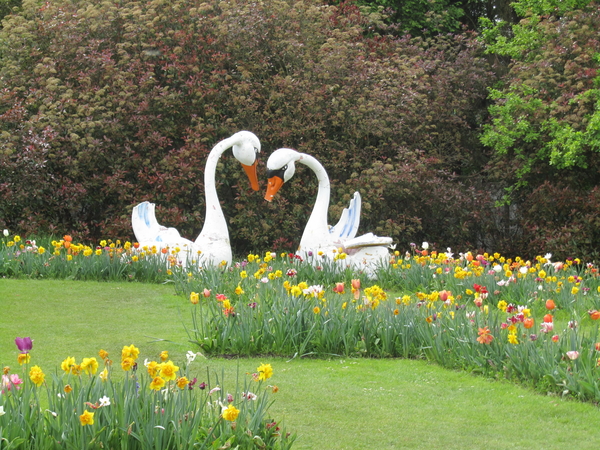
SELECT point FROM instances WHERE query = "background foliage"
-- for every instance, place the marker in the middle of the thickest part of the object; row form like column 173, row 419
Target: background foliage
column 106, row 105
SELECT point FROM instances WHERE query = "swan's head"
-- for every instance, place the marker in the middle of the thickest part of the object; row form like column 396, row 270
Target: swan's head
column 246, row 147
column 280, row 168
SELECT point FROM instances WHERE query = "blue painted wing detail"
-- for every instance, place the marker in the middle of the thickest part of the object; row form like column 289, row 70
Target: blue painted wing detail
column 347, row 226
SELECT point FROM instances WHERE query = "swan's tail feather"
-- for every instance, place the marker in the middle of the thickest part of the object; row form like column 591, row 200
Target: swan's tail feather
column 143, row 221
column 349, row 222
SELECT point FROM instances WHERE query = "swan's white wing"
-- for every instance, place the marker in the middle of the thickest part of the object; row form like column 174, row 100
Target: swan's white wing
column 367, row 240
column 147, row 229
column 347, row 226
column 143, row 221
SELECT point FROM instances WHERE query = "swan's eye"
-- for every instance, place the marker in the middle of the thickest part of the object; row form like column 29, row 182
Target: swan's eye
column 284, row 168
column 255, row 150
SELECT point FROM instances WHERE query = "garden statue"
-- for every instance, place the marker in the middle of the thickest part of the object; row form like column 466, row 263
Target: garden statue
column 212, row 246
column 364, row 253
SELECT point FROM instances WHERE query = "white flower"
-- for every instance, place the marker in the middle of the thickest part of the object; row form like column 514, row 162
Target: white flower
column 313, row 290
column 498, row 268
column 6, row 235
column 264, row 280
column 190, row 355
column 2, row 407
column 249, row 395
column 425, row 245
column 524, row 270
column 104, row 401
column 548, row 256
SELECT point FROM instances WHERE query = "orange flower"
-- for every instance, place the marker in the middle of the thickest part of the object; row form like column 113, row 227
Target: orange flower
column 356, row 289
column 528, row 323
column 485, row 336
column 548, row 318
column 67, row 238
column 550, row 304
column 594, row 315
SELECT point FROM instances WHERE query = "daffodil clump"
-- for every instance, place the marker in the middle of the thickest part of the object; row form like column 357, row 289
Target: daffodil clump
column 96, row 402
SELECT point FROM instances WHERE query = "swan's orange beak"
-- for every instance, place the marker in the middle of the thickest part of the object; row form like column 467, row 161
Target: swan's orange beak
column 251, row 172
column 273, row 187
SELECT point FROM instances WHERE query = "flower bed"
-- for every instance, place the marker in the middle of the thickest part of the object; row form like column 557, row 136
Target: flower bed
column 155, row 405
column 532, row 321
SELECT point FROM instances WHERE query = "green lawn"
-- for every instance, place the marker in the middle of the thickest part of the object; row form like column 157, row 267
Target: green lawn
column 330, row 404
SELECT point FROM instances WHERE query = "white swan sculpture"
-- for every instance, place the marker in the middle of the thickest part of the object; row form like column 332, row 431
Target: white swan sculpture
column 212, row 246
column 366, row 253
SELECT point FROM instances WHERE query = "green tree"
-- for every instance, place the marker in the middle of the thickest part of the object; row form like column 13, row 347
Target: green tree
column 546, row 115
column 545, row 122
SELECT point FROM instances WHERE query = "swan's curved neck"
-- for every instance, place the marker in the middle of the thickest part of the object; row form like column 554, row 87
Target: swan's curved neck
column 214, row 217
column 317, row 227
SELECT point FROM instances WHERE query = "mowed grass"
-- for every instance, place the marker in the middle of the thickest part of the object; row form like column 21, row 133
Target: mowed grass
column 330, row 403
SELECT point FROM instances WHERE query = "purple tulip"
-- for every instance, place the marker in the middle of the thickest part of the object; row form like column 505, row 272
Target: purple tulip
column 24, row 344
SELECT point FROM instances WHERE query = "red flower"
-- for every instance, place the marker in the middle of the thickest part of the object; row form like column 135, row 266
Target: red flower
column 480, row 289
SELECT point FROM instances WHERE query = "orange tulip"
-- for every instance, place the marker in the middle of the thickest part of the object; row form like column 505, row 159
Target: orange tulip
column 548, row 318
column 597, row 346
column 528, row 323
column 594, row 315
column 550, row 304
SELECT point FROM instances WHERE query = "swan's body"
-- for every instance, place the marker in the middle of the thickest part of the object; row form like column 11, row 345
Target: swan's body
column 212, row 246
column 366, row 252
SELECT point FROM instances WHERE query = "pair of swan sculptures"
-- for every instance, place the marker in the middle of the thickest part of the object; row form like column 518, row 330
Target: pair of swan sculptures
column 212, row 246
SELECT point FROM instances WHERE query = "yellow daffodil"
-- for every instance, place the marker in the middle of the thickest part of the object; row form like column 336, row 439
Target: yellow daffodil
column 89, row 366
column 167, row 370
column 265, row 371
column 230, row 413
column 36, row 375
column 157, row 383
column 87, row 418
